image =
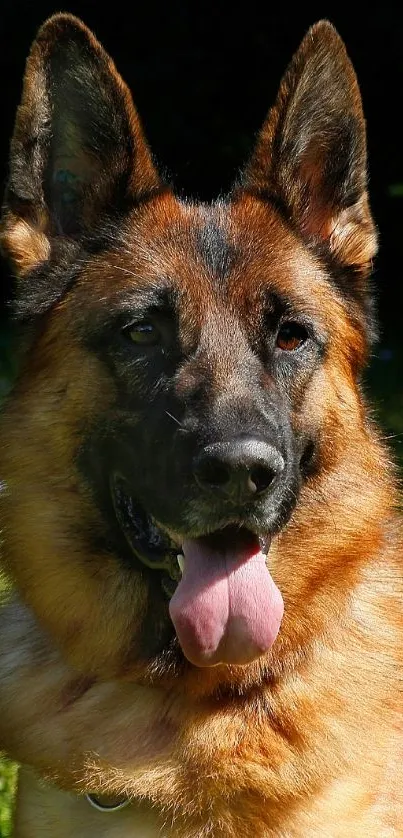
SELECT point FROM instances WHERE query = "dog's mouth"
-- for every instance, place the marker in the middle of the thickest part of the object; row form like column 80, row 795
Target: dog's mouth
column 147, row 540
column 224, row 604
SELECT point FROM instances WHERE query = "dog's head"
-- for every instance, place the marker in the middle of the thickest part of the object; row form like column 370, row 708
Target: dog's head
column 188, row 392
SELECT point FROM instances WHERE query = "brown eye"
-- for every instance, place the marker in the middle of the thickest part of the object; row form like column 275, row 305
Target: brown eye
column 291, row 336
column 143, row 333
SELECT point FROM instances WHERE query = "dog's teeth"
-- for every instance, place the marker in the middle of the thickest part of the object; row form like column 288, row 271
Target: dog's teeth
column 181, row 562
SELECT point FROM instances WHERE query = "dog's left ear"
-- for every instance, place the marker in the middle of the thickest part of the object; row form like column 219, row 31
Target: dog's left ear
column 310, row 156
column 78, row 153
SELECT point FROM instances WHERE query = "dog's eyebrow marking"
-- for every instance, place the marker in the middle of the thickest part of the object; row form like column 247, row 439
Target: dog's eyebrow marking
column 214, row 248
column 142, row 299
column 160, row 291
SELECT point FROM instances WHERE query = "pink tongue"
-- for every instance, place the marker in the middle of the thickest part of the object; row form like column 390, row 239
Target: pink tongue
column 226, row 608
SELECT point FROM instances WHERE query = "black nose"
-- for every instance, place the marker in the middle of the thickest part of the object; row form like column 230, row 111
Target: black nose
column 240, row 470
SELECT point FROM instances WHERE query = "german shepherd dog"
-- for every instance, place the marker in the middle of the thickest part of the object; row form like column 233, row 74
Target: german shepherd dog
column 203, row 630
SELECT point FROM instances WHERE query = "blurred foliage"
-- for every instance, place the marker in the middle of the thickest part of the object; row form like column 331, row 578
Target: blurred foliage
column 395, row 190
column 7, row 788
column 385, row 389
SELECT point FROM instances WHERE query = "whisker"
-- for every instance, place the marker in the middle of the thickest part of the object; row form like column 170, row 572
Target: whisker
column 174, row 419
column 124, row 270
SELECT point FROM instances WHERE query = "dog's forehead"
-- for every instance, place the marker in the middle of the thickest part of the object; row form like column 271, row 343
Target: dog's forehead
column 228, row 257
column 216, row 246
column 216, row 252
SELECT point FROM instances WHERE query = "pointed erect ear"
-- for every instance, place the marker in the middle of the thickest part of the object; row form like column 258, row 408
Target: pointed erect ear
column 310, row 156
column 78, row 151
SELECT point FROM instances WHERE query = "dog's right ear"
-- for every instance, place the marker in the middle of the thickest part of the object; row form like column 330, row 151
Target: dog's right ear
column 310, row 156
column 78, row 151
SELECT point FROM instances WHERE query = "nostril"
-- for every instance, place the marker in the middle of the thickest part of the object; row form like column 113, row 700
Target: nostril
column 260, row 478
column 213, row 473
column 239, row 470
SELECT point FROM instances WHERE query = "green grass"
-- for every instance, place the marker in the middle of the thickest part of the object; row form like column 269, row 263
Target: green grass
column 385, row 389
column 384, row 385
column 7, row 788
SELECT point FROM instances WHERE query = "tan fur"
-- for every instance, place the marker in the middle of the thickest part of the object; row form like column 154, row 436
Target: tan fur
column 28, row 244
column 305, row 741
